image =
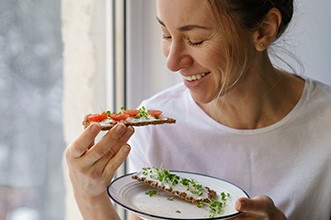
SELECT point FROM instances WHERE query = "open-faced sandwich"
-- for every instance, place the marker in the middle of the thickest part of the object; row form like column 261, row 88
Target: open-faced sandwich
column 184, row 188
column 129, row 117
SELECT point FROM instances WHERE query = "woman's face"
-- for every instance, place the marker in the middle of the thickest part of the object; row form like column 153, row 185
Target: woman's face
column 192, row 45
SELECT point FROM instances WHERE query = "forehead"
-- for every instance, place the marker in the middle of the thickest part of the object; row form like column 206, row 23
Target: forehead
column 179, row 12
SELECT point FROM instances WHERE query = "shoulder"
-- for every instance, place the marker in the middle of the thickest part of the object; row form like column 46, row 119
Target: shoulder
column 318, row 91
column 316, row 101
column 319, row 85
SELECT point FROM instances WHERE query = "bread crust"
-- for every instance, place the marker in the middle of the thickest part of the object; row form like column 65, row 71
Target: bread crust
column 182, row 195
column 111, row 124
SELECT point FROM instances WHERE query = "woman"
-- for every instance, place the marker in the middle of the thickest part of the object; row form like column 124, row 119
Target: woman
column 238, row 117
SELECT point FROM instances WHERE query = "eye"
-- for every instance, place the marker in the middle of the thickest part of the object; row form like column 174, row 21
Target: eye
column 166, row 37
column 192, row 43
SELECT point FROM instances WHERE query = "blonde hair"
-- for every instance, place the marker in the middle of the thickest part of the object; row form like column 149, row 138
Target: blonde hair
column 235, row 18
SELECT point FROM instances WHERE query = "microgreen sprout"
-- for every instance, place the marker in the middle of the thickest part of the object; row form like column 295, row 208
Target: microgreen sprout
column 215, row 206
column 163, row 175
column 151, row 193
column 108, row 113
column 145, row 171
column 143, row 112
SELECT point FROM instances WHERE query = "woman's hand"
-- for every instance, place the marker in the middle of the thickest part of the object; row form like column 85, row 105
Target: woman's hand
column 259, row 207
column 92, row 167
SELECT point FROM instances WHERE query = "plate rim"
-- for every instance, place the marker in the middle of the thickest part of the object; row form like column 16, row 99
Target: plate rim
column 161, row 217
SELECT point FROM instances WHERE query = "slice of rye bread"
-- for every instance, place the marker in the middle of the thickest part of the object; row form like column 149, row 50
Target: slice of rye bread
column 180, row 194
column 109, row 124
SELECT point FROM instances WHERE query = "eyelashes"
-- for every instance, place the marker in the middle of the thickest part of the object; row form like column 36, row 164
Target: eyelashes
column 166, row 37
column 195, row 44
column 189, row 42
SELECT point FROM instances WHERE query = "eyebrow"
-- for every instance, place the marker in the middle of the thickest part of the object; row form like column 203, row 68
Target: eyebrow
column 184, row 28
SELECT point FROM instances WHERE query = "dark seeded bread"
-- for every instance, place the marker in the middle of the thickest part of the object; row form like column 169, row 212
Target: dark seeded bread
column 182, row 195
column 127, row 123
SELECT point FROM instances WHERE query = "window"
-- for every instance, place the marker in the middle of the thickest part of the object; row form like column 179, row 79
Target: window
column 31, row 137
column 147, row 73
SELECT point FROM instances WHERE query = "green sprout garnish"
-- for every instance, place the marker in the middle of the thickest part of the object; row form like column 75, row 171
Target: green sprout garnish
column 163, row 175
column 151, row 193
column 215, row 206
column 108, row 113
column 143, row 112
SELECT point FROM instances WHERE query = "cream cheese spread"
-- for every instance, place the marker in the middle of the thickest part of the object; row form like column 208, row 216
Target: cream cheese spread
column 174, row 182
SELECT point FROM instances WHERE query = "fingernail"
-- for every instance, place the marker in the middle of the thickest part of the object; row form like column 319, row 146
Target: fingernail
column 240, row 205
column 131, row 129
column 126, row 148
column 120, row 128
column 95, row 127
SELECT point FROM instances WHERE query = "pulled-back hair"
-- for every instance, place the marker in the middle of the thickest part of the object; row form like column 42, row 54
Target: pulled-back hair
column 251, row 13
column 236, row 17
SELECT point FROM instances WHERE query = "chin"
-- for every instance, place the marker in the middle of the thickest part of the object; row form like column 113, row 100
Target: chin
column 202, row 99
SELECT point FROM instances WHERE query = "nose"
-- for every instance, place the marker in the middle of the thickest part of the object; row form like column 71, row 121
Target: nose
column 177, row 57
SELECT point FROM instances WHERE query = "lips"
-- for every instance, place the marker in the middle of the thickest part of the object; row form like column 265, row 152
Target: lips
column 195, row 77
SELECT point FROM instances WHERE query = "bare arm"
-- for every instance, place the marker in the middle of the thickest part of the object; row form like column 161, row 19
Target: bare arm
column 102, row 209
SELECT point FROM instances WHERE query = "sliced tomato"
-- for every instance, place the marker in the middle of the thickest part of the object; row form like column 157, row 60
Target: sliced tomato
column 98, row 117
column 119, row 116
column 131, row 112
column 154, row 112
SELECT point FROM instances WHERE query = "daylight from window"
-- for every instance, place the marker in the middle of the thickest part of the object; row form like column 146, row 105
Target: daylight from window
column 31, row 137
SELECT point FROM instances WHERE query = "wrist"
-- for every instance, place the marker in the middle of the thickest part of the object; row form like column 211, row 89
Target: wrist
column 96, row 208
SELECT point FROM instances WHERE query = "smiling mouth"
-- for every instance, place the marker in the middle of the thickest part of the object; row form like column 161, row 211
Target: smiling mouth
column 195, row 77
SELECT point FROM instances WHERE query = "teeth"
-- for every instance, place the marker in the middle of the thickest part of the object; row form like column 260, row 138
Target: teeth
column 195, row 77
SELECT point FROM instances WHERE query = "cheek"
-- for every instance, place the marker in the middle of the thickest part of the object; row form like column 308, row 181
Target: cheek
column 217, row 54
column 216, row 60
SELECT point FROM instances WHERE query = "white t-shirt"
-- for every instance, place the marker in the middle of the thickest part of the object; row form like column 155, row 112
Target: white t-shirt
column 290, row 161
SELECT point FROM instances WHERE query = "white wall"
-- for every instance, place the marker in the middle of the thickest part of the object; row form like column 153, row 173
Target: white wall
column 308, row 38
column 310, row 35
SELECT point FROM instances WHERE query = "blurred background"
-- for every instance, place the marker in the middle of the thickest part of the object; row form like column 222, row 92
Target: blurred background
column 31, row 137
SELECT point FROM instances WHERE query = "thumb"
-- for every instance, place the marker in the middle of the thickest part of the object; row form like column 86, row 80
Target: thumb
column 259, row 205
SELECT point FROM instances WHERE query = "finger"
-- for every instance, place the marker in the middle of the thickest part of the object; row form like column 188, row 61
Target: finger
column 85, row 120
column 109, row 145
column 259, row 205
column 116, row 162
column 86, row 117
column 84, row 141
column 104, row 169
column 85, row 126
column 112, row 151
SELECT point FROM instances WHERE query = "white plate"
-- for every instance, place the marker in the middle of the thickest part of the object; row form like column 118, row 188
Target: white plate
column 130, row 194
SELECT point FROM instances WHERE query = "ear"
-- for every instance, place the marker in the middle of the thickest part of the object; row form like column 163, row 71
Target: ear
column 267, row 30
